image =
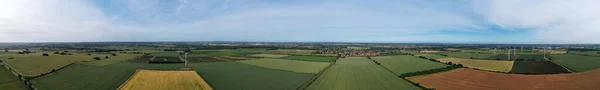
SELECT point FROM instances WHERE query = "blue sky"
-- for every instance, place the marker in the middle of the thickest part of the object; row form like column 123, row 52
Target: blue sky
column 399, row 21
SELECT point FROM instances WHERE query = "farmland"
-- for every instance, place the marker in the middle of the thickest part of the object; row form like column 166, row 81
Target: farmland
column 10, row 81
column 530, row 57
column 211, row 53
column 577, row 62
column 501, row 57
column 431, row 56
column 288, row 65
column 35, row 65
column 239, row 76
column 537, row 67
column 165, row 54
column 467, row 55
column 269, row 55
column 359, row 73
column 311, row 58
column 490, row 65
column 405, row 64
column 165, row 80
column 467, row 79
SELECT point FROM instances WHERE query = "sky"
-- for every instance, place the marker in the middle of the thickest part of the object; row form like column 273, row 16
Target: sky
column 386, row 21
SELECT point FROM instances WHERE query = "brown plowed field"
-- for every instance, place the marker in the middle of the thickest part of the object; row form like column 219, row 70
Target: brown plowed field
column 468, row 79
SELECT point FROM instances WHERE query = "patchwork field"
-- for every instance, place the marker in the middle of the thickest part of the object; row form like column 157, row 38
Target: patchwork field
column 428, row 51
column 239, row 76
column 165, row 80
column 467, row 55
column 467, row 79
column 406, row 64
column 289, row 51
column 165, row 54
column 311, row 58
column 288, row 65
column 35, row 65
column 431, row 56
column 9, row 81
column 359, row 73
column 501, row 57
column 211, row 53
column 537, row 67
column 490, row 65
column 269, row 55
column 163, row 59
column 577, row 62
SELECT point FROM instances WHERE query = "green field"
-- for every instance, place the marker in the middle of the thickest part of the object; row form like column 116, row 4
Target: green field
column 359, row 73
column 311, row 58
column 588, row 53
column 467, row 55
column 9, row 81
column 34, row 65
column 577, row 62
column 288, row 65
column 406, row 64
column 211, row 53
column 239, row 76
column 165, row 54
column 431, row 56
column 269, row 55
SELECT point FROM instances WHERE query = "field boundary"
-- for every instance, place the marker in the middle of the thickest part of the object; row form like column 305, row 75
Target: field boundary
column 130, row 76
column 316, row 76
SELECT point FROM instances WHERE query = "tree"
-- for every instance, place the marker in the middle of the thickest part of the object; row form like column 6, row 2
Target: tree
column 106, row 57
column 45, row 54
column 96, row 58
column 114, row 54
column 5, row 49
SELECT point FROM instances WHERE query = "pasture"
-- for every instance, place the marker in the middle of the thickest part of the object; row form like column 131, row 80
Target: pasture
column 359, row 73
column 9, row 81
column 537, row 67
column 269, row 55
column 577, row 62
column 239, row 76
column 311, row 58
column 405, row 64
column 489, row 65
column 467, row 79
column 288, row 65
column 165, row 80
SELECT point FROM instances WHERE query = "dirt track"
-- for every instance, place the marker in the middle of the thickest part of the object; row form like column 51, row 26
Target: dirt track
column 468, row 79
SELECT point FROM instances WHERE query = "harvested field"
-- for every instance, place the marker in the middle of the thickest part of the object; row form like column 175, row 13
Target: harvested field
column 269, row 55
column 405, row 64
column 490, row 65
column 311, row 58
column 537, row 67
column 431, row 56
column 467, row 79
column 288, row 65
column 577, row 62
column 359, row 73
column 165, row 80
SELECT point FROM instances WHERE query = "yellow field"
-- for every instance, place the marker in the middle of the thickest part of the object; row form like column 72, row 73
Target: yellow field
column 490, row 65
column 165, row 80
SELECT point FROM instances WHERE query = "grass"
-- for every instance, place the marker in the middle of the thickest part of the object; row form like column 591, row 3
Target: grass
column 359, row 73
column 112, row 59
column 577, row 62
column 406, row 64
column 164, row 79
column 431, row 56
column 165, row 54
column 290, row 51
column 467, row 55
column 490, row 65
column 9, row 81
column 269, row 55
column 288, row 65
column 211, row 53
column 35, row 65
column 239, row 76
column 311, row 58
column 531, row 57
column 588, row 53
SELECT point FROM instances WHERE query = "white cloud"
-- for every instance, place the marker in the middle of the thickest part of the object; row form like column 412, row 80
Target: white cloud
column 559, row 21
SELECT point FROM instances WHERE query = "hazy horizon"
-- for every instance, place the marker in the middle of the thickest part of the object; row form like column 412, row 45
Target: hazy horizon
column 376, row 21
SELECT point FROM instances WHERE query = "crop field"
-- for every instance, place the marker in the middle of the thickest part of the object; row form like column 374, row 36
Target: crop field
column 587, row 53
column 357, row 48
column 467, row 79
column 239, row 76
column 86, row 77
column 467, row 55
column 9, row 81
column 429, row 51
column 290, row 51
column 490, row 65
column 431, row 56
column 165, row 80
column 167, row 59
column 577, row 62
column 165, row 54
column 501, row 57
column 35, row 65
column 204, row 59
column 113, row 59
column 311, row 58
column 537, row 67
column 359, row 73
column 143, row 59
column 405, row 64
column 211, row 53
column 243, row 52
column 288, row 65
column 269, row 55
column 531, row 57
